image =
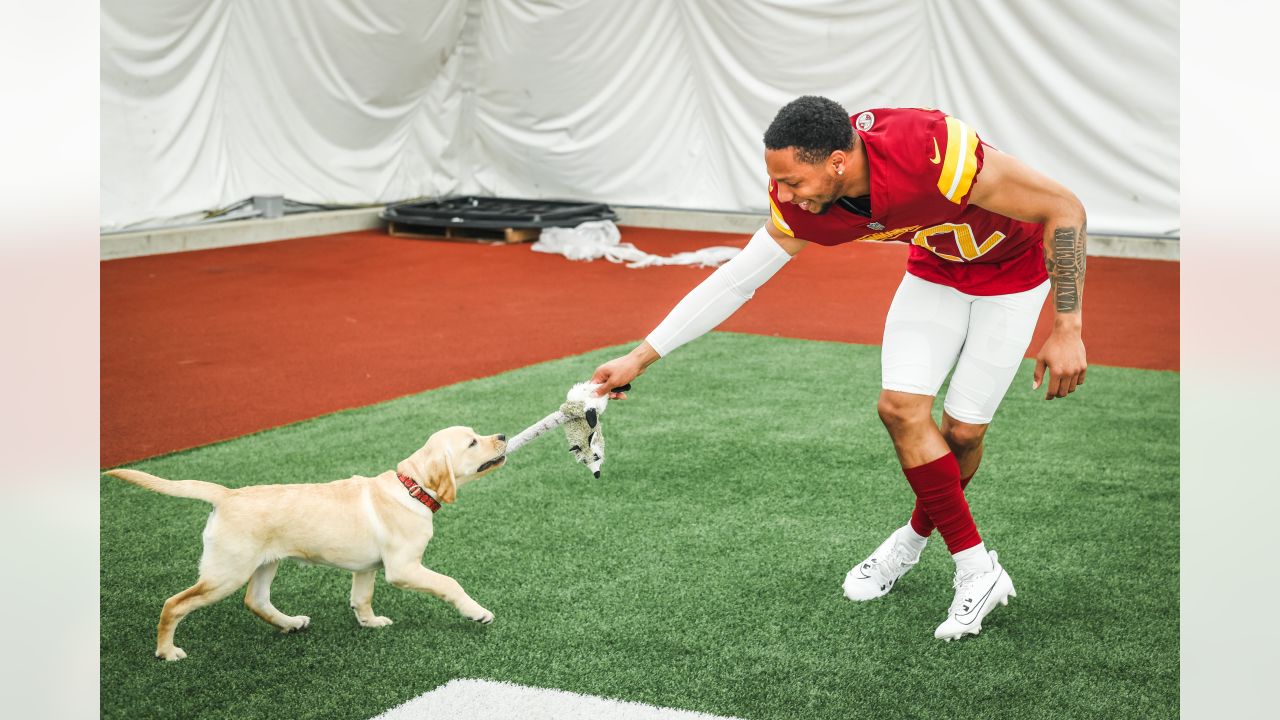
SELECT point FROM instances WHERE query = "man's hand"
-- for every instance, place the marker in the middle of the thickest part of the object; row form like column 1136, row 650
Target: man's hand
column 621, row 371
column 1063, row 355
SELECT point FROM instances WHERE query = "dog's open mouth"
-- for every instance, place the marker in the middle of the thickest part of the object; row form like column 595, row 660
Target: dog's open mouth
column 492, row 463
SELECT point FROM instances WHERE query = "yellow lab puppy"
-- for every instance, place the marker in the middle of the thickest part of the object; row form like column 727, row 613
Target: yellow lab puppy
column 358, row 524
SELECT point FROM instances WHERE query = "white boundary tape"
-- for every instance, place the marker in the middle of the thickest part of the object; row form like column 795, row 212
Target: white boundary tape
column 491, row 700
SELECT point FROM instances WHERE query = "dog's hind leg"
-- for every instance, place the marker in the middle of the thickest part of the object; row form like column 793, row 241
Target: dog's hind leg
column 362, row 599
column 258, row 599
column 206, row 591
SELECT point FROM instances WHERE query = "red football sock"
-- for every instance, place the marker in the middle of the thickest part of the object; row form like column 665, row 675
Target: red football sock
column 920, row 521
column 937, row 488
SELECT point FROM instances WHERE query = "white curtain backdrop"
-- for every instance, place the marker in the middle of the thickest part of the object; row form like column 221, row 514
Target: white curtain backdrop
column 632, row 102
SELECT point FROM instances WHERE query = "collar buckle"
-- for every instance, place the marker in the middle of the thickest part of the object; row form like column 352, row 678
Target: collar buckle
column 419, row 493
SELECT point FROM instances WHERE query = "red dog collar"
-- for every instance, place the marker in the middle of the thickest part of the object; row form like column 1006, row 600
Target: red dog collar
column 417, row 492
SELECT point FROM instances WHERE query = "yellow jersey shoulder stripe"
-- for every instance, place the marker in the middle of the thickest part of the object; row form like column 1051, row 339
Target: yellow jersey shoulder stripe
column 961, row 162
column 778, row 222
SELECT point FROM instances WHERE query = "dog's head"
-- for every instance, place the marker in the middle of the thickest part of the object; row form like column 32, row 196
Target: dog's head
column 453, row 457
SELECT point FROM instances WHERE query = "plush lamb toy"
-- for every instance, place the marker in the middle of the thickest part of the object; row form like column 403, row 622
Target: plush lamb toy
column 580, row 415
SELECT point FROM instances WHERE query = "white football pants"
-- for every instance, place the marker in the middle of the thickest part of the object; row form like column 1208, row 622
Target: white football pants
column 932, row 328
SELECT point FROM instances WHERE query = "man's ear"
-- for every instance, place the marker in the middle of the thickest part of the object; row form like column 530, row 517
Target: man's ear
column 440, row 477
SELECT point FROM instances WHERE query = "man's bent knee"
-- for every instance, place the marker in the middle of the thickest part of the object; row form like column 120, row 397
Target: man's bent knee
column 963, row 436
column 899, row 409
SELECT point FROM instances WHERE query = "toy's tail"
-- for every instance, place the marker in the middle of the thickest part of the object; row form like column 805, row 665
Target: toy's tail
column 554, row 420
column 195, row 489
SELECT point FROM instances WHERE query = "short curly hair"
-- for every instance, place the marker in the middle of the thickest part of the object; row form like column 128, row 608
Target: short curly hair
column 813, row 125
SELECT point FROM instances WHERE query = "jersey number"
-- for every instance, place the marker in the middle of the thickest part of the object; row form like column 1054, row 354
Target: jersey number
column 966, row 243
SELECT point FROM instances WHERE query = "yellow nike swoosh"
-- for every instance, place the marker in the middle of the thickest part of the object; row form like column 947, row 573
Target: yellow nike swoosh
column 937, row 157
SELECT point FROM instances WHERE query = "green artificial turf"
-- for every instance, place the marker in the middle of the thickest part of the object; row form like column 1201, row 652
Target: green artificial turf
column 745, row 476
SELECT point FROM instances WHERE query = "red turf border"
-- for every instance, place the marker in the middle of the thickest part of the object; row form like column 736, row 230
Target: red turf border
column 208, row 345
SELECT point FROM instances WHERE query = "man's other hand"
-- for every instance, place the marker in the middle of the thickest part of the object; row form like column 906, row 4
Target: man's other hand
column 1063, row 356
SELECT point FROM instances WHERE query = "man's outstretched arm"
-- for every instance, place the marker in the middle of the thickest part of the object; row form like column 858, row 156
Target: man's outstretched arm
column 705, row 307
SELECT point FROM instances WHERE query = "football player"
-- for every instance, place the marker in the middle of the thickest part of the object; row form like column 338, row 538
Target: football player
column 990, row 238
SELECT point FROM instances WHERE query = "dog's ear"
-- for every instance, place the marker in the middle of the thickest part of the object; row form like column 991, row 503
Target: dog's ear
column 416, row 466
column 432, row 468
column 440, row 477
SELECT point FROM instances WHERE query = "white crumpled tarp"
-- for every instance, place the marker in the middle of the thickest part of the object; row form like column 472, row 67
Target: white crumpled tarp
column 601, row 239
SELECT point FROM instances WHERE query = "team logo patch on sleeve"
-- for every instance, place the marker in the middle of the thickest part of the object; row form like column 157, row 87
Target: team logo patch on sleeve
column 865, row 121
column 960, row 163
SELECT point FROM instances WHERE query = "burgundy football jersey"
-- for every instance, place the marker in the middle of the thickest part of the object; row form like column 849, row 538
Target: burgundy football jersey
column 923, row 166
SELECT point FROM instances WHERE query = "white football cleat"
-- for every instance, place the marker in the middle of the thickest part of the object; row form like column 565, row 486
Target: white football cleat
column 875, row 576
column 977, row 594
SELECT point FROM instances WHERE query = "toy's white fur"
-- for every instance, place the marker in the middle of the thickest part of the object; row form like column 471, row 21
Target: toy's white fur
column 580, row 416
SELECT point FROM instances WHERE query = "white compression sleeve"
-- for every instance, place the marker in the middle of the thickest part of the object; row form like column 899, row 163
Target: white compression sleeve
column 721, row 294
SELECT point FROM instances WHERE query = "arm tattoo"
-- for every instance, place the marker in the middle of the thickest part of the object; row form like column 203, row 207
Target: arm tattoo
column 1066, row 265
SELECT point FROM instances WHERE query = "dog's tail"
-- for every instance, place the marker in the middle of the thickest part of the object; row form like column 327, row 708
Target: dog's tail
column 195, row 489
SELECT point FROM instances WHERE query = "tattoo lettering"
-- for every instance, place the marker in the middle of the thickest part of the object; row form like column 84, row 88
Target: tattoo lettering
column 1066, row 266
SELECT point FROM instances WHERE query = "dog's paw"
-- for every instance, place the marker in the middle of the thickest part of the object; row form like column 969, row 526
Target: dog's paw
column 375, row 622
column 484, row 617
column 171, row 654
column 295, row 623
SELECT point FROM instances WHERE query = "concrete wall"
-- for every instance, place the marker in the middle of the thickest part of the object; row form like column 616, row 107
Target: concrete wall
column 244, row 232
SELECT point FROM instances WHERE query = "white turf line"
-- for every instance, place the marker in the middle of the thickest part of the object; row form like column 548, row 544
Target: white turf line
column 492, row 700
